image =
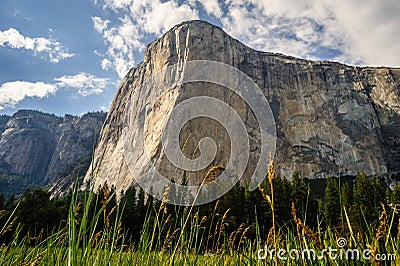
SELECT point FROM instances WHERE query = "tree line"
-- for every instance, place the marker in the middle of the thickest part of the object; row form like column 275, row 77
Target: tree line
column 358, row 200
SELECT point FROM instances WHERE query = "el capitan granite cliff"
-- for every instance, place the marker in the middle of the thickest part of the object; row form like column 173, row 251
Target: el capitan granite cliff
column 329, row 117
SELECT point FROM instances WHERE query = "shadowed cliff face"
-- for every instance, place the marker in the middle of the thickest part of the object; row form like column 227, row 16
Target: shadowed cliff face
column 41, row 146
column 329, row 117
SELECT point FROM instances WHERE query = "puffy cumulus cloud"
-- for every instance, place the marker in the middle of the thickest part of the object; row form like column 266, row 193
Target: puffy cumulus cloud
column 99, row 24
column 117, row 4
column 138, row 20
column 212, row 7
column 349, row 31
column 355, row 31
column 86, row 84
column 121, row 41
column 52, row 49
column 159, row 18
column 13, row 92
column 371, row 29
column 297, row 37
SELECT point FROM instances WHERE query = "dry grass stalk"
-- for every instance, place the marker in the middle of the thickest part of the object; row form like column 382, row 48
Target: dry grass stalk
column 216, row 229
column 168, row 219
column 271, row 172
column 38, row 237
column 106, row 194
column 164, row 201
column 216, row 205
column 78, row 208
column 212, row 171
column 233, row 235
column 298, row 227
column 37, row 260
column 382, row 228
column 203, row 220
column 273, row 241
column 119, row 232
column 104, row 202
column 212, row 174
column 358, row 236
column 223, row 225
column 9, row 226
column 243, row 236
column 265, row 196
column 270, row 199
column 373, row 255
column 96, row 239
column 307, row 231
column 108, row 217
column 169, row 238
column 231, row 243
column 270, row 237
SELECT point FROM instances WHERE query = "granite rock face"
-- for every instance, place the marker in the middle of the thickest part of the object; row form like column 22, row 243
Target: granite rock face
column 329, row 117
column 42, row 146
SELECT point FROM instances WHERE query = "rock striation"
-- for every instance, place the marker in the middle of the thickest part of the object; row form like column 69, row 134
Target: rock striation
column 329, row 117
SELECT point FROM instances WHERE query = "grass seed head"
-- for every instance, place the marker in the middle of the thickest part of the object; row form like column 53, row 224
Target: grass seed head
column 271, row 172
column 382, row 228
column 307, row 230
column 213, row 173
column 265, row 196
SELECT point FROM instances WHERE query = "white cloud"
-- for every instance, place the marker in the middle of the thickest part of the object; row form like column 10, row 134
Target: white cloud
column 363, row 32
column 105, row 107
column 159, row 18
column 100, row 25
column 371, row 29
column 106, row 64
column 138, row 20
column 297, row 37
column 352, row 31
column 121, row 42
column 212, row 7
column 117, row 4
column 52, row 49
column 86, row 84
column 13, row 92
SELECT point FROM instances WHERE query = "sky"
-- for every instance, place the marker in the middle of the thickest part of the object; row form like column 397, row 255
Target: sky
column 68, row 56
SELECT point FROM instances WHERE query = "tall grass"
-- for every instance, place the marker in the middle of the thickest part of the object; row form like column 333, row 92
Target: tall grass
column 174, row 235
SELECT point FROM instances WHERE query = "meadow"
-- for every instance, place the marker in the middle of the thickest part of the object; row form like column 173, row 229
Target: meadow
column 281, row 223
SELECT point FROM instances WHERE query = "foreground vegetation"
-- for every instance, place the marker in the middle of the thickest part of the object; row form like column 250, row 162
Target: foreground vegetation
column 241, row 228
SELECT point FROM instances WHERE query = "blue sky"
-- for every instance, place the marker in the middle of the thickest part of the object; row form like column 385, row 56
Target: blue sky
column 69, row 56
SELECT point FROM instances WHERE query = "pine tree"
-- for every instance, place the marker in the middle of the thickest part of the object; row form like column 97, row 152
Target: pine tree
column 379, row 192
column 233, row 200
column 141, row 206
column 299, row 194
column 346, row 196
column 396, row 195
column 363, row 205
column 128, row 202
column 283, row 200
column 258, row 210
column 2, row 201
column 332, row 202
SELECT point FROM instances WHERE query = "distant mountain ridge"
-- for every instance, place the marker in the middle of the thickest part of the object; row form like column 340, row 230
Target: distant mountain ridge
column 44, row 147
